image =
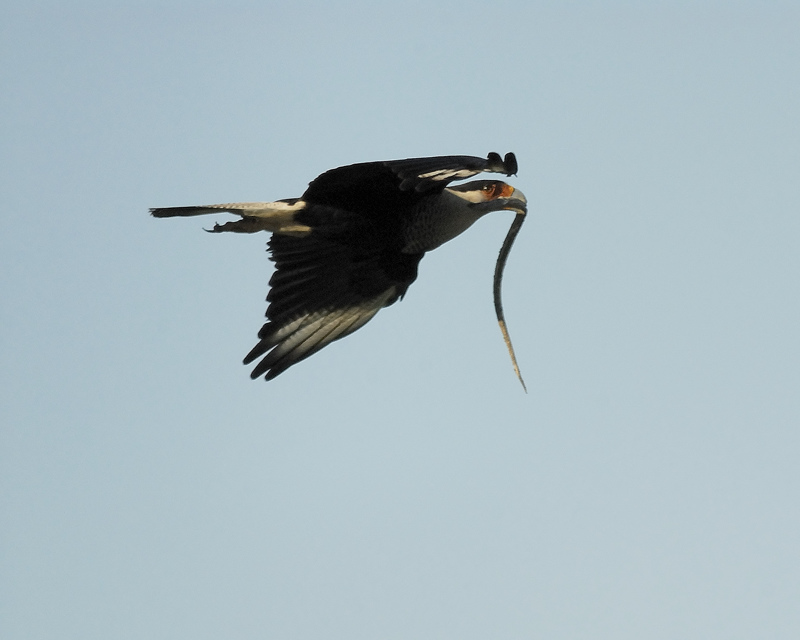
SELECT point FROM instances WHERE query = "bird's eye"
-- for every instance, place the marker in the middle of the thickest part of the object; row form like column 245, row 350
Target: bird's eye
column 489, row 190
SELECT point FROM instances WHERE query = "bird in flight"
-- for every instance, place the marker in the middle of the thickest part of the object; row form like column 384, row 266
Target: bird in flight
column 351, row 244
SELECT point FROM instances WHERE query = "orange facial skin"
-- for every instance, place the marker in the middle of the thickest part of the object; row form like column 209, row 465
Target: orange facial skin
column 498, row 190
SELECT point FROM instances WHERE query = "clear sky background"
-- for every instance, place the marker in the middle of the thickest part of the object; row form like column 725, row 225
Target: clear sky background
column 399, row 484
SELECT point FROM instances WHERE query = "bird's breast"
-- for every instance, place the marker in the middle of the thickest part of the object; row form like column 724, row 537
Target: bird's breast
column 434, row 222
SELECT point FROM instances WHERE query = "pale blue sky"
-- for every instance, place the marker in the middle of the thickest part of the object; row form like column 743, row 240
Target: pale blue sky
column 399, row 484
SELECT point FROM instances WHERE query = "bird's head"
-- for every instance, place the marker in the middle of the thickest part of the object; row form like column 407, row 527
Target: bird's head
column 485, row 196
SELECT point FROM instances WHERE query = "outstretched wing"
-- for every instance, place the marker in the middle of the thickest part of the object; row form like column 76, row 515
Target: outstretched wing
column 424, row 174
column 323, row 289
column 369, row 186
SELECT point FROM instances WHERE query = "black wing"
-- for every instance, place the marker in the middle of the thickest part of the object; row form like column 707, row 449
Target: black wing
column 370, row 186
column 326, row 286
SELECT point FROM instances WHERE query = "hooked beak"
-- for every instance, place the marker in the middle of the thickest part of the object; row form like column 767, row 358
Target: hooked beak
column 517, row 202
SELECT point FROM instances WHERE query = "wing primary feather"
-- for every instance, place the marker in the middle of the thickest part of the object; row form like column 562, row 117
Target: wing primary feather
column 308, row 334
column 298, row 344
column 308, row 341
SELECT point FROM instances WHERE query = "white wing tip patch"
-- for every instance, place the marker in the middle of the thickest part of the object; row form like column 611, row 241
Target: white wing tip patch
column 447, row 174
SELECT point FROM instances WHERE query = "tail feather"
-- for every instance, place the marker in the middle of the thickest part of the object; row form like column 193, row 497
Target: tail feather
column 278, row 217
column 173, row 212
